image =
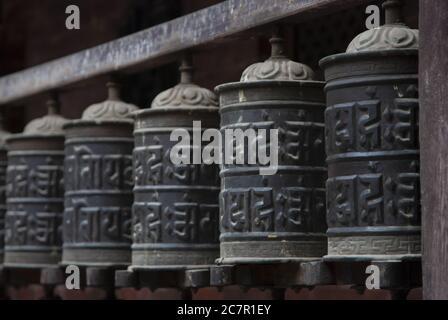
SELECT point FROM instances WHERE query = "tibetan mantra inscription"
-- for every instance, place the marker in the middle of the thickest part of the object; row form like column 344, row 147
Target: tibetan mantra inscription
column 176, row 213
column 87, row 173
column 98, row 184
column 373, row 190
column 35, row 192
column 176, row 209
column 280, row 217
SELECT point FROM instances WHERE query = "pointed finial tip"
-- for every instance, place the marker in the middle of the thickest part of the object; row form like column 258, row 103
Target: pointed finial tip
column 391, row 3
column 392, row 10
column 52, row 104
column 113, row 89
column 277, row 46
column 186, row 70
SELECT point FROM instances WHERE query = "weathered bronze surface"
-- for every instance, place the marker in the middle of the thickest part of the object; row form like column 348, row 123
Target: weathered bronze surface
column 98, row 184
column 3, row 164
column 280, row 217
column 176, row 209
column 373, row 194
column 35, row 192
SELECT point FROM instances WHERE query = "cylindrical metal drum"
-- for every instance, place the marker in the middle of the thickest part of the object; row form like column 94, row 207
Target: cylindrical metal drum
column 3, row 164
column 35, row 192
column 176, row 208
column 373, row 194
column 279, row 216
column 98, row 185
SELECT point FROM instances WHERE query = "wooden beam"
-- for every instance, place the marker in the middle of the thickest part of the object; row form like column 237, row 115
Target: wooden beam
column 136, row 51
column 433, row 83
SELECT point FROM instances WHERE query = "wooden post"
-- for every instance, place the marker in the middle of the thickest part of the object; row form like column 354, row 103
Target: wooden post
column 433, row 83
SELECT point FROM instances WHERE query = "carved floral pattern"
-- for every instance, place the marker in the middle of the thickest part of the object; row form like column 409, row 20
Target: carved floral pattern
column 277, row 69
column 49, row 124
column 384, row 38
column 185, row 94
column 109, row 110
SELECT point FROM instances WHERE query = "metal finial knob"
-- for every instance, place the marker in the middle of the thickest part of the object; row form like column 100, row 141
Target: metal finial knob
column 186, row 94
column 186, row 70
column 113, row 90
column 51, row 123
column 392, row 10
column 53, row 105
column 394, row 35
column 277, row 47
column 277, row 43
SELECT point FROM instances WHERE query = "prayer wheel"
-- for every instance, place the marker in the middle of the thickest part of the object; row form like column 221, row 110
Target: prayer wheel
column 277, row 216
column 176, row 212
column 98, row 184
column 35, row 192
column 372, row 144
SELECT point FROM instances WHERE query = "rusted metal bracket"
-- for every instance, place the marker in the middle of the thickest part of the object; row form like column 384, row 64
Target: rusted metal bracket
column 281, row 275
column 181, row 278
column 48, row 277
column 52, row 276
column 399, row 277
column 394, row 275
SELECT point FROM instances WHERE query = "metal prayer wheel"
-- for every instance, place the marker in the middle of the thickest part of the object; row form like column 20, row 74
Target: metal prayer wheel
column 176, row 211
column 35, row 192
column 278, row 217
column 3, row 165
column 372, row 144
column 98, row 184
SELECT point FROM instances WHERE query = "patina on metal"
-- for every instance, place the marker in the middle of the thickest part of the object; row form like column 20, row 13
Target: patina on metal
column 176, row 211
column 3, row 164
column 35, row 192
column 98, row 184
column 372, row 144
column 280, row 217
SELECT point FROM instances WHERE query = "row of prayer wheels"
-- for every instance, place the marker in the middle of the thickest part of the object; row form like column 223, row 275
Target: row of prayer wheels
column 104, row 191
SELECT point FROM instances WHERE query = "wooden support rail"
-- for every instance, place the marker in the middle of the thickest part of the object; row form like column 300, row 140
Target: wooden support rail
column 147, row 47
